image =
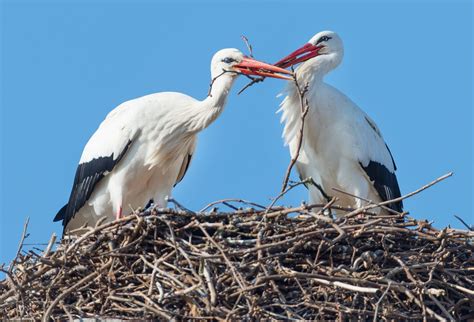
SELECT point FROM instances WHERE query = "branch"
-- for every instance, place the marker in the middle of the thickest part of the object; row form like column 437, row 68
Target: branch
column 214, row 79
column 249, row 46
column 286, row 190
column 304, row 111
column 471, row 228
column 371, row 206
column 226, row 202
column 254, row 80
column 390, row 210
column 20, row 245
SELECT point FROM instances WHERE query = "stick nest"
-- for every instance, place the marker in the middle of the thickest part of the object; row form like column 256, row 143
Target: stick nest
column 287, row 263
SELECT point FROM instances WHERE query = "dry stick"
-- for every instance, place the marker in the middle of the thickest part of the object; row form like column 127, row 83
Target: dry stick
column 462, row 289
column 284, row 192
column 74, row 287
column 224, row 201
column 368, row 207
column 95, row 230
column 237, row 276
column 471, row 228
column 441, row 307
column 152, row 280
column 380, row 301
column 265, row 271
column 304, row 111
column 20, row 245
column 254, row 80
column 322, row 281
column 210, row 285
column 367, row 200
column 50, row 245
column 69, row 316
column 152, row 309
column 302, row 208
column 249, row 46
column 403, row 289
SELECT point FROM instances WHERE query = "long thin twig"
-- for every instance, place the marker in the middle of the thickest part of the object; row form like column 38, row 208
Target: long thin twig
column 284, row 192
column 24, row 235
column 377, row 305
column 471, row 228
column 247, row 43
column 408, row 195
column 253, row 80
column 304, row 104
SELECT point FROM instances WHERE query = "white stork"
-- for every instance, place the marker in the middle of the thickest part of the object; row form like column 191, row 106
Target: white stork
column 144, row 146
column 342, row 146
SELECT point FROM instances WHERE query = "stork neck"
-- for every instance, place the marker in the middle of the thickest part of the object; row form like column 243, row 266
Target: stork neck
column 313, row 71
column 211, row 107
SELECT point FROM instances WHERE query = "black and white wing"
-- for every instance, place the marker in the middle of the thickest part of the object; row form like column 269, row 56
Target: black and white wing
column 104, row 150
column 377, row 162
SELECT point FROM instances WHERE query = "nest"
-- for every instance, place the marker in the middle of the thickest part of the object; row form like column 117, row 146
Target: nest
column 286, row 263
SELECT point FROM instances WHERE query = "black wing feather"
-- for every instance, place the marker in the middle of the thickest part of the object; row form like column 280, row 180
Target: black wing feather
column 88, row 174
column 385, row 182
column 188, row 162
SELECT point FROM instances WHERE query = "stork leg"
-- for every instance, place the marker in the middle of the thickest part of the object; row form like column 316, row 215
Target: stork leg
column 118, row 215
column 351, row 180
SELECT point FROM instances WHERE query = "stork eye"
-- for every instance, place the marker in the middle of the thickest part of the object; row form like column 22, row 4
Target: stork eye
column 323, row 38
column 228, row 60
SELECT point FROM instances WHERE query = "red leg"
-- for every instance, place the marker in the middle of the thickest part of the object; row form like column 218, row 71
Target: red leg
column 118, row 215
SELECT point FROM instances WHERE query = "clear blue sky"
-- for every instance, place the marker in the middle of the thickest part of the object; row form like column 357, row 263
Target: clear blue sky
column 66, row 65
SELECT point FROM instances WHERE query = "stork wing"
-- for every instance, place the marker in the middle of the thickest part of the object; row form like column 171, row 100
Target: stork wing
column 377, row 162
column 185, row 164
column 102, row 153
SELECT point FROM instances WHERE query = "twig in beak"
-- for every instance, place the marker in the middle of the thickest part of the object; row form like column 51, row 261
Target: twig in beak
column 254, row 80
column 249, row 46
column 214, row 79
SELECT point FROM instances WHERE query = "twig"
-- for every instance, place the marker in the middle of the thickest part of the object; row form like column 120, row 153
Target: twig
column 231, row 200
column 177, row 204
column 20, row 244
column 367, row 200
column 441, row 307
column 50, row 245
column 252, row 79
column 285, row 191
column 215, row 78
column 471, row 228
column 371, row 206
column 376, row 313
column 74, row 287
column 249, row 46
column 304, row 111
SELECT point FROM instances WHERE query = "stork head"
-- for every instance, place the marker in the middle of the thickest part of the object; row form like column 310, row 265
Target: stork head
column 325, row 49
column 232, row 62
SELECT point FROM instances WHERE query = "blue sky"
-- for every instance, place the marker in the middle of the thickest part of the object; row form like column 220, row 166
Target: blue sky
column 64, row 66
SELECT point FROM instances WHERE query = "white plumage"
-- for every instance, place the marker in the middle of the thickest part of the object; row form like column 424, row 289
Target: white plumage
column 342, row 147
column 144, row 146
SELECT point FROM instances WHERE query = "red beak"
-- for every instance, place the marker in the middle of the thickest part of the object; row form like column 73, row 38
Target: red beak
column 300, row 55
column 250, row 66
